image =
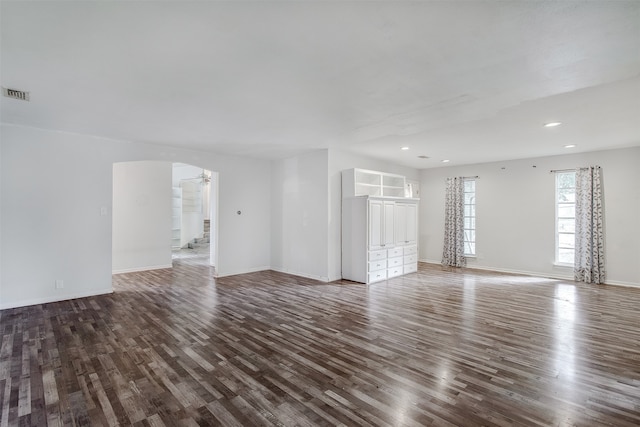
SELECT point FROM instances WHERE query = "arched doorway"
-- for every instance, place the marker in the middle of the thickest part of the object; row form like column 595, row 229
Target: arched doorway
column 143, row 216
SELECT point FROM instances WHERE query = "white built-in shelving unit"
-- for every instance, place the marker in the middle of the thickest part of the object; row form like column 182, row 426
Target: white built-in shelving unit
column 379, row 226
column 362, row 182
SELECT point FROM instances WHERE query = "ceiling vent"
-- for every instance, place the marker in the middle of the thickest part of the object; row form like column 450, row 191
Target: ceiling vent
column 15, row 94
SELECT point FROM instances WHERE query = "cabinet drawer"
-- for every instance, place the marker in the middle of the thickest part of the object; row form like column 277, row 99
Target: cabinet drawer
column 377, row 265
column 376, row 276
column 409, row 250
column 394, row 252
column 377, row 255
column 411, row 259
column 394, row 272
column 410, row 268
column 395, row 262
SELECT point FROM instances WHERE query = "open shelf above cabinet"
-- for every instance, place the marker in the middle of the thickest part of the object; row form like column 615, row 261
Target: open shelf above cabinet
column 362, row 182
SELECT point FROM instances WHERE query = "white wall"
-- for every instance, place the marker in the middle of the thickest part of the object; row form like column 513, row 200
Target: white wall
column 340, row 160
column 515, row 213
column 54, row 186
column 141, row 216
column 192, row 224
column 53, row 190
column 306, row 210
column 1, row 210
column 299, row 220
column 182, row 172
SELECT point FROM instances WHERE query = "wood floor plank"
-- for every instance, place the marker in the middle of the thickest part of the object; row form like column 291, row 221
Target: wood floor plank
column 440, row 347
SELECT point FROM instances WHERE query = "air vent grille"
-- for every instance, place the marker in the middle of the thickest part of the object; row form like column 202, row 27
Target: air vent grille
column 15, row 94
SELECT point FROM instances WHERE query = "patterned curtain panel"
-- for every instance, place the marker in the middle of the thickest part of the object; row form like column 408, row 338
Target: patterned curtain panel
column 453, row 251
column 589, row 258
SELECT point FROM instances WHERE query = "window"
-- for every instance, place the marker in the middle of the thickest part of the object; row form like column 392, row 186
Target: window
column 470, row 217
column 565, row 217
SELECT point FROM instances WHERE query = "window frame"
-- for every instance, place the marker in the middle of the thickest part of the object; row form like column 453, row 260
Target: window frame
column 472, row 231
column 557, row 205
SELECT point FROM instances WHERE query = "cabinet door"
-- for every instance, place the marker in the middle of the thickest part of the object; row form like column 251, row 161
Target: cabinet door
column 401, row 223
column 406, row 223
column 376, row 218
column 411, row 224
column 381, row 224
column 389, row 224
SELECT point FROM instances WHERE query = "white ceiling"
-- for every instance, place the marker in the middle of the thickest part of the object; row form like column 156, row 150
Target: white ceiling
column 467, row 81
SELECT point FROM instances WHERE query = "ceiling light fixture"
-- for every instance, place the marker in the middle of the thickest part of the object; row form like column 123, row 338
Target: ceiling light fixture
column 446, row 161
column 570, row 146
column 552, row 124
column 404, row 148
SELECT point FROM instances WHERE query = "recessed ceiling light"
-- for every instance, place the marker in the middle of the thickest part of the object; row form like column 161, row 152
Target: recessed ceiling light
column 552, row 124
column 570, row 146
column 446, row 161
column 404, row 148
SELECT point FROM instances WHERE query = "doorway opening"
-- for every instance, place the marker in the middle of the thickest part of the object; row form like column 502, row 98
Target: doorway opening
column 194, row 192
column 152, row 228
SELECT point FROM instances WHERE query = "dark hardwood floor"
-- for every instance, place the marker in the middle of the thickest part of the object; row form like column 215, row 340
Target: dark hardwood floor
column 438, row 347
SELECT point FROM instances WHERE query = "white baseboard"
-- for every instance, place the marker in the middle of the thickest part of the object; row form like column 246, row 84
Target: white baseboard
column 523, row 272
column 279, row 270
column 620, row 283
column 554, row 275
column 136, row 269
column 55, row 298
column 243, row 271
column 306, row 276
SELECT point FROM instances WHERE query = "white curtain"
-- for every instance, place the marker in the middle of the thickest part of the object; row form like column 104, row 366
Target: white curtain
column 453, row 251
column 589, row 246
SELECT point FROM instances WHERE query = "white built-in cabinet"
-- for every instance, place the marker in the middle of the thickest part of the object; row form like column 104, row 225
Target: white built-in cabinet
column 379, row 234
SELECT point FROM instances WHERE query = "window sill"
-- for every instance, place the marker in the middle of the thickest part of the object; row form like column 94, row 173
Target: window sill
column 562, row 264
column 471, row 256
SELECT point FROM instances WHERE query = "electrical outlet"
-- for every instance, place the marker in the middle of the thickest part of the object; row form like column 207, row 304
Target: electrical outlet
column 59, row 284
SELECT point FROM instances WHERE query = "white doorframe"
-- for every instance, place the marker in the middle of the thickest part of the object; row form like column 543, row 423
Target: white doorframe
column 213, row 210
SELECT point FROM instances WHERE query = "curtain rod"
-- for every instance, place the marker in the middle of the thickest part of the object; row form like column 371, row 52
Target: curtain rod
column 570, row 170
column 563, row 170
column 465, row 177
